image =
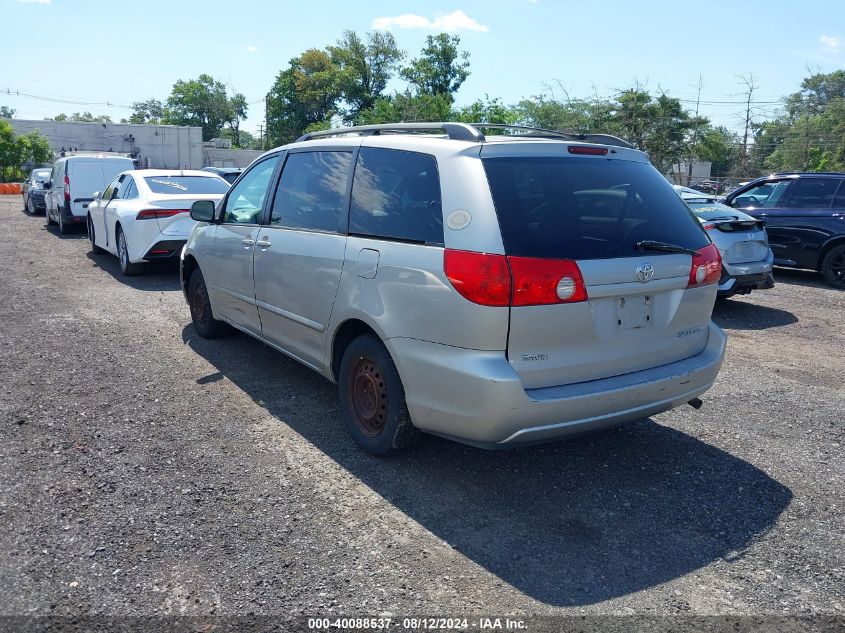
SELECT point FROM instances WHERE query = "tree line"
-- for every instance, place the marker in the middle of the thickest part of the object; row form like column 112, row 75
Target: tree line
column 346, row 83
column 17, row 150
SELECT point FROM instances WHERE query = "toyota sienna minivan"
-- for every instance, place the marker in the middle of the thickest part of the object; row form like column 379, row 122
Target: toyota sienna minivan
column 496, row 290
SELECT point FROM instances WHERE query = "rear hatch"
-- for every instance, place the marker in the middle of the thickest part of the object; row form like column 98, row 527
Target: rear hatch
column 638, row 312
column 86, row 176
column 173, row 196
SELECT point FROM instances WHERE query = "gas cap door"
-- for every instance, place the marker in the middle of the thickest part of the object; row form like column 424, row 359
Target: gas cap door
column 368, row 263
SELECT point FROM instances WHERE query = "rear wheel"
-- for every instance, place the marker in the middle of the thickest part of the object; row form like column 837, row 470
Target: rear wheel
column 126, row 267
column 49, row 217
column 833, row 267
column 372, row 399
column 64, row 228
column 204, row 322
column 94, row 248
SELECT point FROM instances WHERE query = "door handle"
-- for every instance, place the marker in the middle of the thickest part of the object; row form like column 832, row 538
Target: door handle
column 248, row 242
column 263, row 243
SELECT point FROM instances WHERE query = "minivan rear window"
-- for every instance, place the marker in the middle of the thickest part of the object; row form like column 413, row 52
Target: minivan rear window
column 186, row 184
column 583, row 208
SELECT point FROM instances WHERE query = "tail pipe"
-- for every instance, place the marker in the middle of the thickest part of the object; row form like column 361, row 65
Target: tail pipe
column 695, row 403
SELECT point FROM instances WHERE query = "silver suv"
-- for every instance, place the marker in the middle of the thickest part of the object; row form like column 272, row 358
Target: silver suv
column 494, row 290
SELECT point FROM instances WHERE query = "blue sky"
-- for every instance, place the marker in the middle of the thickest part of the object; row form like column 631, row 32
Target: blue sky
column 97, row 51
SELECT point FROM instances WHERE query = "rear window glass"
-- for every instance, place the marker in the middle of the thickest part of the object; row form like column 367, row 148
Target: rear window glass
column 186, row 184
column 41, row 176
column 396, row 195
column 581, row 208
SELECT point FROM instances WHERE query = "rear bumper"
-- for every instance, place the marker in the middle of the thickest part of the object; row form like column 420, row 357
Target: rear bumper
column 165, row 249
column 747, row 276
column 476, row 397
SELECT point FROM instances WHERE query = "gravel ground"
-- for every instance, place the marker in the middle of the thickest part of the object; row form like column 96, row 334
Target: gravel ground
column 146, row 471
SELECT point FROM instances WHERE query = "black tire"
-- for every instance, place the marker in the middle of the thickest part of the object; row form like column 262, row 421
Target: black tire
column 833, row 267
column 64, row 229
column 126, row 267
column 50, row 221
column 26, row 205
column 94, row 248
column 204, row 322
column 372, row 399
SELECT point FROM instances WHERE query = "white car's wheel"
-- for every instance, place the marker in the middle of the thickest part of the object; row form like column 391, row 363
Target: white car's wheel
column 126, row 267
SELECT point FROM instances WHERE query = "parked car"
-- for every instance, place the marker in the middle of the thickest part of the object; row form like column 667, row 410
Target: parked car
column 496, row 291
column 229, row 174
column 72, row 184
column 742, row 242
column 144, row 215
column 805, row 219
column 33, row 190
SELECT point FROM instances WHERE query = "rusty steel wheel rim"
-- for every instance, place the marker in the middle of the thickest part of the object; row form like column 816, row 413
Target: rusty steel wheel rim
column 368, row 396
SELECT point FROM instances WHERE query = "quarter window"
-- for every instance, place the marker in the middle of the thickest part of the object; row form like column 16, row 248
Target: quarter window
column 839, row 200
column 312, row 191
column 396, row 195
column 245, row 201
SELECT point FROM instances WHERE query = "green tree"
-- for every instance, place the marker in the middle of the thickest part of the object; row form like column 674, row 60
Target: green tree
column 200, row 102
column 7, row 112
column 366, row 68
column 408, row 107
column 305, row 94
column 16, row 151
column 441, row 68
column 486, row 110
column 717, row 145
column 149, row 111
column 83, row 117
column 237, row 113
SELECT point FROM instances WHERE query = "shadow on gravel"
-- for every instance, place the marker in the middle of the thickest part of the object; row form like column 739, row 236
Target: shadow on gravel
column 796, row 277
column 572, row 523
column 742, row 314
column 76, row 233
column 156, row 276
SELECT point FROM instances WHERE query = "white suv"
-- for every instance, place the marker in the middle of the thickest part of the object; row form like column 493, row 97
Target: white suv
column 494, row 290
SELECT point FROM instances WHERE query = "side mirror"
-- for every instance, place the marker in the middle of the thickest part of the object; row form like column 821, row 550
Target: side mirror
column 48, row 184
column 97, row 195
column 202, row 211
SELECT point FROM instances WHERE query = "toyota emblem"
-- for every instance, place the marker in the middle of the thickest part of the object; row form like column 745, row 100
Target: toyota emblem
column 645, row 272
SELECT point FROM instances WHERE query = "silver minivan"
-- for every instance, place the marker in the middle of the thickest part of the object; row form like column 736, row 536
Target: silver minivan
column 496, row 290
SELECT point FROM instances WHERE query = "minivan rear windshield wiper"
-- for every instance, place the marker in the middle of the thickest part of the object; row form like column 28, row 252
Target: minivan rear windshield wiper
column 651, row 245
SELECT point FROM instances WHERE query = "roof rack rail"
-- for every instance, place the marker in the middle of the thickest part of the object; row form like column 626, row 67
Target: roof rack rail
column 464, row 132
column 605, row 139
column 455, row 131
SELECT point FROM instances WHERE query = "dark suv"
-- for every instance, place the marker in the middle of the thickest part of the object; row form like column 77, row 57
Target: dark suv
column 805, row 219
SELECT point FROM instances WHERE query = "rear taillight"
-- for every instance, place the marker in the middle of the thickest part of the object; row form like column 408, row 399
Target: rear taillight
column 546, row 281
column 709, row 227
column 151, row 214
column 498, row 280
column 67, row 188
column 480, row 277
column 706, row 267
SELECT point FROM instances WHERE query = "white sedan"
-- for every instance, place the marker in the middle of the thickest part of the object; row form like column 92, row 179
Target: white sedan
column 144, row 214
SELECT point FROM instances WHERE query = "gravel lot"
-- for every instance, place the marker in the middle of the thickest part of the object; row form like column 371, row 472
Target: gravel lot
column 146, row 471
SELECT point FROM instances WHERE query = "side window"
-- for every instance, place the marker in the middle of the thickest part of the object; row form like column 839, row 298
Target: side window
column 245, row 201
column 396, row 195
column 812, row 193
column 839, row 200
column 128, row 189
column 312, row 191
column 109, row 191
column 766, row 195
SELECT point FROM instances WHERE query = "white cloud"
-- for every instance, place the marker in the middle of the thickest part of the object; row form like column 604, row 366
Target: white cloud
column 35, row 1
column 830, row 43
column 251, row 49
column 455, row 21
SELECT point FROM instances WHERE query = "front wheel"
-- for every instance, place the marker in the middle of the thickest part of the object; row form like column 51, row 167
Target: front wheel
column 372, row 399
column 833, row 267
column 126, row 267
column 204, row 322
